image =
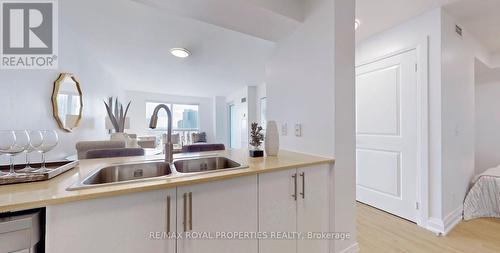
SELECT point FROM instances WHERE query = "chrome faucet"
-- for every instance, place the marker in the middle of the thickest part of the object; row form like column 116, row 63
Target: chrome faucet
column 169, row 147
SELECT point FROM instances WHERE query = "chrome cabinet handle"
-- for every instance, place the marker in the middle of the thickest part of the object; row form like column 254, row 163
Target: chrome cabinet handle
column 303, row 193
column 294, row 195
column 191, row 211
column 184, row 222
column 168, row 214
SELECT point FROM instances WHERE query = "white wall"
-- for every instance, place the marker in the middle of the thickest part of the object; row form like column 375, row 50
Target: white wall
column 261, row 93
column 242, row 114
column 220, row 115
column 344, row 176
column 310, row 80
column 252, row 105
column 457, row 115
column 487, row 125
column 408, row 35
column 25, row 94
column 137, row 111
column 300, row 83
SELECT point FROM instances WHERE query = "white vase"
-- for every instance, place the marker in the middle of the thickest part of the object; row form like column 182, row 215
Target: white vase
column 272, row 142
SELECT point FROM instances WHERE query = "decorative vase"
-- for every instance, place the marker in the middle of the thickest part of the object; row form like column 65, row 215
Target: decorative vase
column 272, row 141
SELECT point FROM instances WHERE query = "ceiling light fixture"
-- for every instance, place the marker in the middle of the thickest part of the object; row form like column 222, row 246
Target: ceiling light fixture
column 180, row 52
column 357, row 23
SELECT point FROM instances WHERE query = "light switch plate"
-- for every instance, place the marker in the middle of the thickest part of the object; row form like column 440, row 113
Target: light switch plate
column 298, row 130
column 284, row 129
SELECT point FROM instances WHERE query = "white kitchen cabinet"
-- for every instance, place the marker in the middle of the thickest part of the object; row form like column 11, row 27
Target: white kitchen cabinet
column 277, row 210
column 116, row 224
column 222, row 206
column 295, row 200
column 313, row 207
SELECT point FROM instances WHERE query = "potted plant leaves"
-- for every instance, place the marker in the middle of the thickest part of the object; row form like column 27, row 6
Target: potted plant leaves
column 256, row 139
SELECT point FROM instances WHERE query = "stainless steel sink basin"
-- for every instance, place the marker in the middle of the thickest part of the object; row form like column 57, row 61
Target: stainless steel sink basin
column 206, row 164
column 125, row 173
column 155, row 170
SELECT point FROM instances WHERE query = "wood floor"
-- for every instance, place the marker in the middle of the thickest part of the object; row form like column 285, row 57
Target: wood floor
column 381, row 232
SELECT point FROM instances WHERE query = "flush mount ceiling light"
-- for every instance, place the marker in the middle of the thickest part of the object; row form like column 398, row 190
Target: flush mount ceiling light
column 180, row 52
column 357, row 23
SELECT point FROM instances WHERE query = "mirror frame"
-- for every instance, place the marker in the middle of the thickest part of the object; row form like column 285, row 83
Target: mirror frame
column 55, row 110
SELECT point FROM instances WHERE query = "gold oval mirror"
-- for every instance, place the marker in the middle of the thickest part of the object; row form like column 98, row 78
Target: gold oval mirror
column 67, row 102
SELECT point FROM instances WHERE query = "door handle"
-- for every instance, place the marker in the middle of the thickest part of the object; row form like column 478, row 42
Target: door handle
column 190, row 211
column 294, row 195
column 303, row 193
column 168, row 214
column 184, row 221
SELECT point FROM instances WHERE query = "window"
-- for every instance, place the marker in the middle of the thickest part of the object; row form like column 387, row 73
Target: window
column 185, row 121
column 185, row 117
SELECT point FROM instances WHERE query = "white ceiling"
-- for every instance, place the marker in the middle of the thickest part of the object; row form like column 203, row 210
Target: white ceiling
column 481, row 18
column 267, row 19
column 131, row 41
column 379, row 15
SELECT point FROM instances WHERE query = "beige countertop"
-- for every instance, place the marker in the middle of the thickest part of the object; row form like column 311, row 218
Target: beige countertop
column 39, row 194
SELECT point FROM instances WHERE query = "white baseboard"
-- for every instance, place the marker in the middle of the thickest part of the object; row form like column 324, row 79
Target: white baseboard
column 354, row 248
column 452, row 219
column 443, row 227
column 435, row 225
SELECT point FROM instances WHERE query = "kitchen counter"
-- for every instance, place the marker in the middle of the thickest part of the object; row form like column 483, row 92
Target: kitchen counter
column 40, row 194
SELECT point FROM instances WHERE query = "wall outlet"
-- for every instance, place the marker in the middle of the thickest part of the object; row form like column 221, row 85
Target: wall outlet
column 298, row 130
column 284, row 129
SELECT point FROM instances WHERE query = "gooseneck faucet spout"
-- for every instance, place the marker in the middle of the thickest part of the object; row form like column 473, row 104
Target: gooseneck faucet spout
column 169, row 147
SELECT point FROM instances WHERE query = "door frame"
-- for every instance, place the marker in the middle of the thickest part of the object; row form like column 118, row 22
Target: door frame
column 422, row 50
column 229, row 118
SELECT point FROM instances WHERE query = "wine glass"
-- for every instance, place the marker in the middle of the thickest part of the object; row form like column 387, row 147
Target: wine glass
column 7, row 140
column 21, row 143
column 36, row 139
column 50, row 141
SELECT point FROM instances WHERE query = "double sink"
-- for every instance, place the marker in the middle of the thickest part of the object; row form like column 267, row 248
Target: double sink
column 153, row 170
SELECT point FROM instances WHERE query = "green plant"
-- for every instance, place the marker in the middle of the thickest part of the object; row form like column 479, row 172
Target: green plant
column 116, row 114
column 256, row 136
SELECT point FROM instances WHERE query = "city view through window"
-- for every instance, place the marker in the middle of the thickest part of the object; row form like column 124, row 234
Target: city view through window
column 185, row 117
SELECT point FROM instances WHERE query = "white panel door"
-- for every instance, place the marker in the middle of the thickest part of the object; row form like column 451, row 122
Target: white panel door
column 117, row 224
column 277, row 210
column 313, row 207
column 386, row 134
column 211, row 208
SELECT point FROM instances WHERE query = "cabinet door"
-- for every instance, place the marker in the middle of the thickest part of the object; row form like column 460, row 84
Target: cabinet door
column 313, row 207
column 278, row 209
column 116, row 224
column 211, row 208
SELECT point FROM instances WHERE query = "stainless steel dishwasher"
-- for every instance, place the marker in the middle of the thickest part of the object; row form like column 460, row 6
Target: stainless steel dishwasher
column 20, row 233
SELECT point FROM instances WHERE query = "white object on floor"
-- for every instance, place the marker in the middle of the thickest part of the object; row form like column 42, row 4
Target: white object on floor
column 483, row 199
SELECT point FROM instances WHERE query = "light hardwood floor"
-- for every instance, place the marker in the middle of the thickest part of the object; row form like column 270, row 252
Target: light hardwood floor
column 381, row 232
